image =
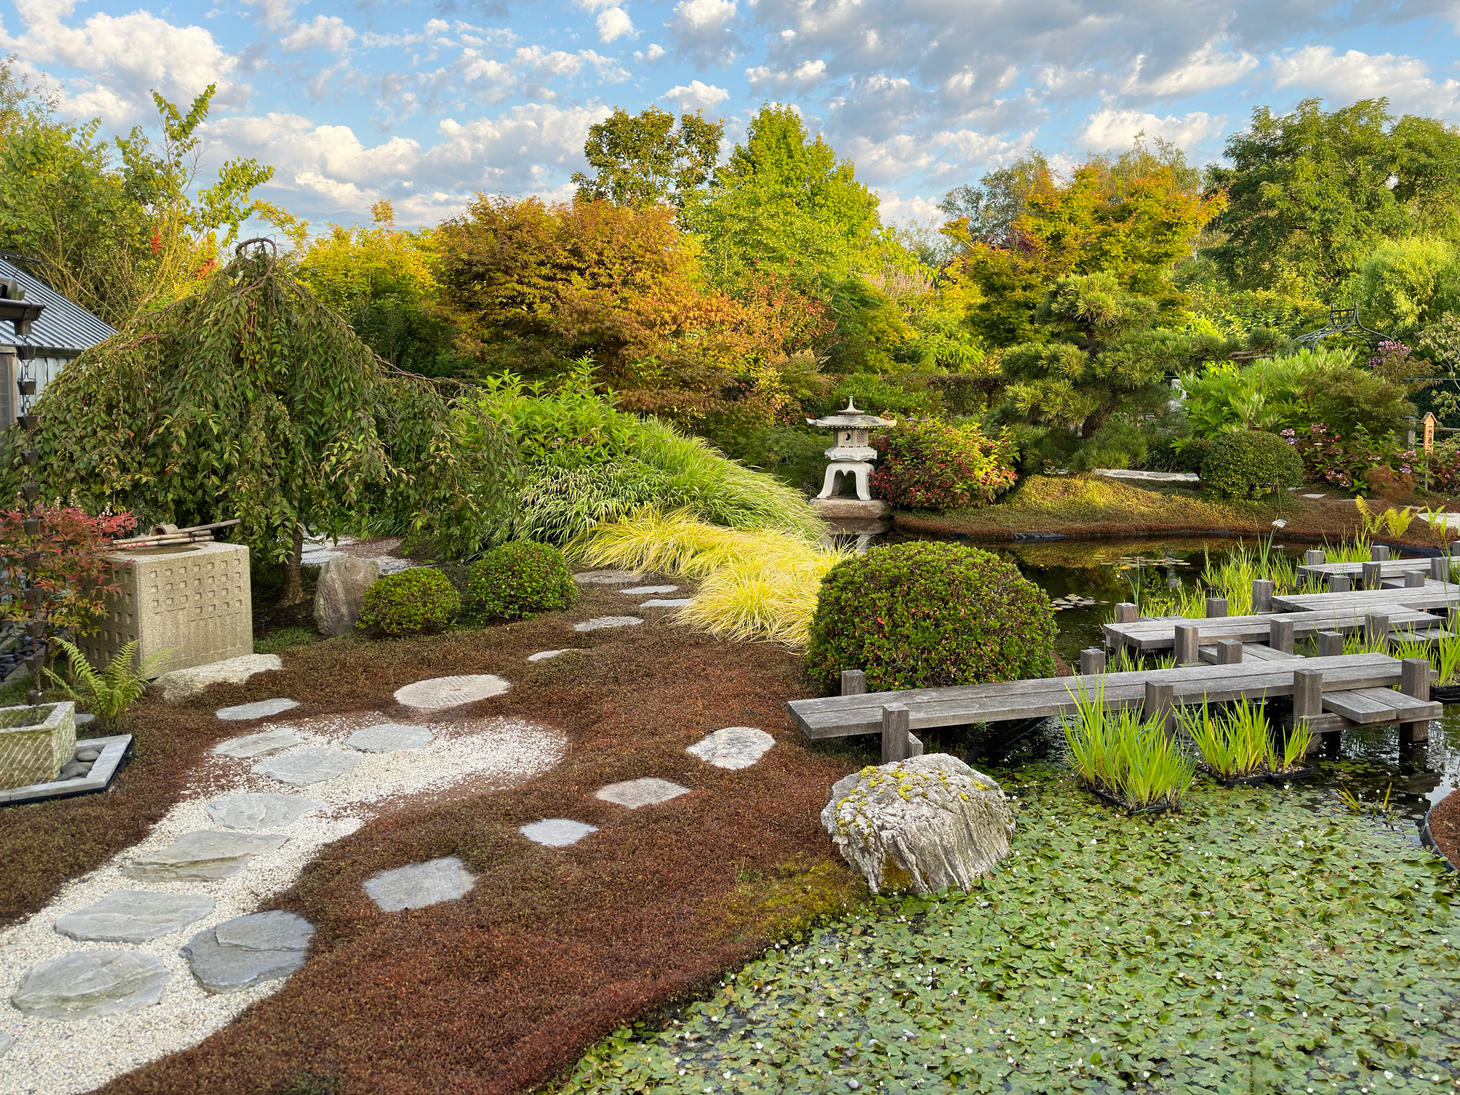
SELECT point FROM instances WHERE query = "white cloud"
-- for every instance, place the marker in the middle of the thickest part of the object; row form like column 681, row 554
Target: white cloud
column 613, row 23
column 653, row 53
column 703, row 17
column 1352, row 75
column 328, row 32
column 697, row 95
column 1203, row 70
column 1113, row 130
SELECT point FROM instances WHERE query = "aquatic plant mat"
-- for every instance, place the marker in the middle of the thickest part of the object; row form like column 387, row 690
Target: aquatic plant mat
column 1259, row 940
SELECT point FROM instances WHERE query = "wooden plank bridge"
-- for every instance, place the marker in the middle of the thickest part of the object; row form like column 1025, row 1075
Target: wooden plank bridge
column 1219, row 658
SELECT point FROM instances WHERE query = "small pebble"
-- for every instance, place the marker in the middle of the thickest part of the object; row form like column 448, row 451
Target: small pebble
column 75, row 770
column 87, row 754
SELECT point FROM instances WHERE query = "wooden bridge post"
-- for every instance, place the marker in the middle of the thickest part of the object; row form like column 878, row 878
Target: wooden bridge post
column 1092, row 661
column 1216, row 608
column 1262, row 590
column 1440, row 568
column 1339, row 583
column 895, row 733
column 1308, row 696
column 1455, row 547
column 1280, row 635
column 1376, row 630
column 1373, row 575
column 1186, row 644
column 1414, row 579
column 1379, row 553
column 1330, row 644
column 1314, row 557
column 1160, row 703
column 1126, row 613
column 1414, row 680
column 854, row 682
column 1229, row 652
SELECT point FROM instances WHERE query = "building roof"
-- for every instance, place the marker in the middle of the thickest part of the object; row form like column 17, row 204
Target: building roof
column 63, row 329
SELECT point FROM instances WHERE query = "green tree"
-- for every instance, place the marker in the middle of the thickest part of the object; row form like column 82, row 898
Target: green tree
column 987, row 212
column 249, row 398
column 645, row 159
column 1406, row 285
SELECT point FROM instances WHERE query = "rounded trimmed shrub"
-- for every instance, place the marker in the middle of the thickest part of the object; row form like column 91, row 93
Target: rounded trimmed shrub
column 926, row 614
column 519, row 579
column 409, row 602
column 926, row 463
column 1248, row 464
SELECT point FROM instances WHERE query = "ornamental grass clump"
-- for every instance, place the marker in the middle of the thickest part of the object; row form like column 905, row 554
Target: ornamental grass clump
column 517, row 580
column 1237, row 743
column 927, row 614
column 1124, row 756
column 409, row 602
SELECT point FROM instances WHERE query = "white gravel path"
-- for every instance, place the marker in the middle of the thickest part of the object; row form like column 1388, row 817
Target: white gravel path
column 53, row 1057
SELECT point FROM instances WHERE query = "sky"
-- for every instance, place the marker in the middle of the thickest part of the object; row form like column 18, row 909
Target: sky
column 429, row 102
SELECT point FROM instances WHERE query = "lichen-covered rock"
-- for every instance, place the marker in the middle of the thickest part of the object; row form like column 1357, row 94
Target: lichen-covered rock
column 932, row 819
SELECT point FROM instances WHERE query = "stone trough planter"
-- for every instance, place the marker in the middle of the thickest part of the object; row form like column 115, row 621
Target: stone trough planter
column 35, row 742
column 90, row 767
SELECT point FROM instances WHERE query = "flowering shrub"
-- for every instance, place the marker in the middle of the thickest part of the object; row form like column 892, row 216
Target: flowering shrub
column 1349, row 461
column 72, row 573
column 926, row 463
column 1443, row 465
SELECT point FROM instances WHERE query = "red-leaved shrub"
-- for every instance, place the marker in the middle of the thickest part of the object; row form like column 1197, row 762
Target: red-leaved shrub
column 926, row 463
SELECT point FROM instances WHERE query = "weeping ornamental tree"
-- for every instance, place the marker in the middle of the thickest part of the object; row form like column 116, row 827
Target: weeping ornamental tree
column 251, row 399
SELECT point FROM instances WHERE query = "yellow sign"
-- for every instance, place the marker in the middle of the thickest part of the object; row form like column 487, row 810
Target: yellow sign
column 1429, row 421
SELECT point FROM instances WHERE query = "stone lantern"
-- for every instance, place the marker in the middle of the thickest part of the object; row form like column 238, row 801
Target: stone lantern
column 851, row 454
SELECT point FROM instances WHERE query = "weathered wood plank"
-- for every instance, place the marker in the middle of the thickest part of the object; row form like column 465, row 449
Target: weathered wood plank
column 1389, row 567
column 1433, row 595
column 1376, row 706
column 1160, row 634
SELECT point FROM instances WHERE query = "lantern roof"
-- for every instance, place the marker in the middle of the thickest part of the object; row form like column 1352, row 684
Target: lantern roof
column 850, row 418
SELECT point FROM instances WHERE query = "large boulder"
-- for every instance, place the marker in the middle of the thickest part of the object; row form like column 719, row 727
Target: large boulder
column 181, row 684
column 925, row 823
column 343, row 581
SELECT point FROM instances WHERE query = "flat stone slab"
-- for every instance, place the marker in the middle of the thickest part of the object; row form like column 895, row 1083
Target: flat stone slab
column 182, row 683
column 606, row 577
column 201, row 856
column 634, row 793
column 557, row 832
column 435, row 693
column 544, row 655
column 247, row 950
column 258, row 810
column 420, row 884
column 86, row 984
column 733, row 747
column 258, row 745
column 305, row 766
column 665, row 602
column 259, row 709
column 388, row 737
column 1135, row 476
column 134, row 916
column 639, row 591
column 598, row 623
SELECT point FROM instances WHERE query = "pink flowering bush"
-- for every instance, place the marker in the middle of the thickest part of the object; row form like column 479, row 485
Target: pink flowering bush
column 926, row 463
column 1347, row 460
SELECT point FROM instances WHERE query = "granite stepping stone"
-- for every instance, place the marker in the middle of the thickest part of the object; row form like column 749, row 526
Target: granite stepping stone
column 557, row 832
column 249, row 949
column 733, row 747
column 598, row 623
column 643, row 591
column 259, row 709
column 544, row 655
column 134, row 916
column 606, row 577
column 305, row 766
column 388, row 737
column 435, row 693
column 633, row 793
column 420, row 884
column 86, row 984
column 258, row 810
column 258, row 745
column 201, row 856
column 665, row 602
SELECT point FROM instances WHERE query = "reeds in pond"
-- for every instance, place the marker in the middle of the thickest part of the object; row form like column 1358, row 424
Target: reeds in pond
column 1125, row 755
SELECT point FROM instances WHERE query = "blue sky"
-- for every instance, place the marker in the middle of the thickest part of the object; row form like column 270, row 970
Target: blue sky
column 428, row 103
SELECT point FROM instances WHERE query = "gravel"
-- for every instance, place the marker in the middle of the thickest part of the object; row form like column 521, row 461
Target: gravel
column 57, row 1058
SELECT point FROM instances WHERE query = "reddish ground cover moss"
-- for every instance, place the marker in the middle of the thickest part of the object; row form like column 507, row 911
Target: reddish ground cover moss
column 500, row 990
column 1445, row 826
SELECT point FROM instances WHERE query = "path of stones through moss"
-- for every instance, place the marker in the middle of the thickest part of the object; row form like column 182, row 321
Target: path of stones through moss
column 1260, row 941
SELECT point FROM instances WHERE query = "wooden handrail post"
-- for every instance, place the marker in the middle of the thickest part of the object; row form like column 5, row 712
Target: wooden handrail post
column 1160, row 703
column 1376, row 630
column 1186, row 644
column 1229, row 652
column 1092, row 661
column 1330, row 644
column 1307, row 693
column 1414, row 579
column 1280, row 635
column 1440, row 568
column 854, row 682
column 1379, row 553
column 1262, row 591
column 1216, row 608
column 1414, row 680
column 1373, row 575
column 1314, row 557
column 1339, row 583
column 895, row 732
column 1126, row 613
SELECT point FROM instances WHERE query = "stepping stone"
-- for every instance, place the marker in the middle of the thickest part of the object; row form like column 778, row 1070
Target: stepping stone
column 606, row 577
column 259, row 709
column 84, row 718
column 387, row 737
column 434, row 693
column 86, row 984
column 645, row 590
column 420, row 884
column 649, row 791
column 182, row 683
column 544, row 655
column 598, row 623
column 665, row 602
column 201, row 856
column 557, row 832
column 1315, row 497
column 134, row 916
column 258, row 745
column 733, row 747
column 258, row 810
column 249, row 949
column 305, row 766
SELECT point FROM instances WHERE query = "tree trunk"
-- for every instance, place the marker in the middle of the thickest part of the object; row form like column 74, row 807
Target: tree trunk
column 293, row 587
